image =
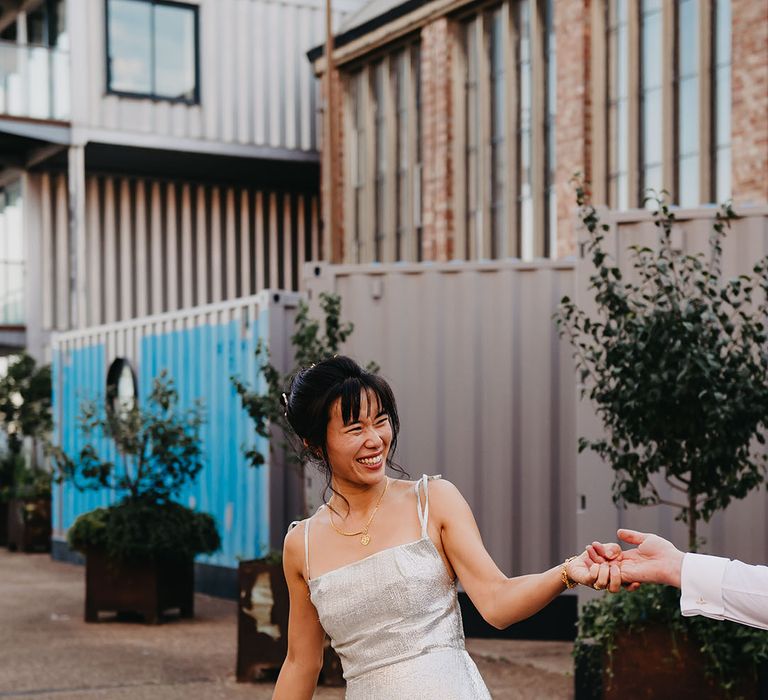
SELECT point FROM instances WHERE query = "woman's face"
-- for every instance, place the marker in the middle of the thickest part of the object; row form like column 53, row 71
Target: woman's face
column 358, row 450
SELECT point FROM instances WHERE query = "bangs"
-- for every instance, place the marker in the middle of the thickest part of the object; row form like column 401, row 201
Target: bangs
column 378, row 395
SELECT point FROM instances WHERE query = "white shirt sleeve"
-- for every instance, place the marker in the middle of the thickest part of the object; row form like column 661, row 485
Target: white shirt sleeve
column 724, row 590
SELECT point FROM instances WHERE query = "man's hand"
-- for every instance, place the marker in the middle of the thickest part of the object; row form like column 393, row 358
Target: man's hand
column 654, row 560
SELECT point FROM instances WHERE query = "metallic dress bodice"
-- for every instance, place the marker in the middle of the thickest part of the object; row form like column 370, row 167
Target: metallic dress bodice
column 394, row 620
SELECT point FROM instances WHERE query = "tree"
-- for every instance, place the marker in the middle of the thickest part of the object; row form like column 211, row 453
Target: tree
column 25, row 413
column 159, row 453
column 676, row 365
column 159, row 446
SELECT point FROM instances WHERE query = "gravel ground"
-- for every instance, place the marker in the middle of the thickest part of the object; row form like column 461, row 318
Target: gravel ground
column 47, row 652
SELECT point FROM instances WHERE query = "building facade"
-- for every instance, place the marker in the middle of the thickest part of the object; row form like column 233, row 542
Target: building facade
column 465, row 122
column 154, row 156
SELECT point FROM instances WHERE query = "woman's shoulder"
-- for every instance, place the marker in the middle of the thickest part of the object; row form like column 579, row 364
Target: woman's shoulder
column 293, row 544
column 444, row 496
column 440, row 489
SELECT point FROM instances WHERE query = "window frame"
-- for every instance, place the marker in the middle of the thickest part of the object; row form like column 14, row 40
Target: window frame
column 195, row 99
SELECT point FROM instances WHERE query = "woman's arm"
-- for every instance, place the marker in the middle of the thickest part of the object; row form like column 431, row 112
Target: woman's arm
column 298, row 676
column 500, row 600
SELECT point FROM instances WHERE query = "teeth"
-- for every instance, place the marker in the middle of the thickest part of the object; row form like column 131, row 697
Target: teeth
column 370, row 460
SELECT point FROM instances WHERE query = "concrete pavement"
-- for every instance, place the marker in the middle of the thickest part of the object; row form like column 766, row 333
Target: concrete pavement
column 47, row 652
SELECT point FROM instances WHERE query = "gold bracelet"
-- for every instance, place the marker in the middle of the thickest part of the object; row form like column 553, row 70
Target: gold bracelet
column 567, row 580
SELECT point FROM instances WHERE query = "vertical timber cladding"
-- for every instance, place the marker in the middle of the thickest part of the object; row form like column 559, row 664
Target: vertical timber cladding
column 155, row 246
column 484, row 388
column 201, row 349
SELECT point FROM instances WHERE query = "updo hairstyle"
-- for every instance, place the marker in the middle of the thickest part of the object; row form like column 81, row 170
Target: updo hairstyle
column 313, row 391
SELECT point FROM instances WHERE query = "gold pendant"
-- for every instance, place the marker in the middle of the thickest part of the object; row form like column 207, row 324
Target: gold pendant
column 365, row 539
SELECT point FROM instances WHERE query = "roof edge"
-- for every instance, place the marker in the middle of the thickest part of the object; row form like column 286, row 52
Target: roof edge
column 367, row 27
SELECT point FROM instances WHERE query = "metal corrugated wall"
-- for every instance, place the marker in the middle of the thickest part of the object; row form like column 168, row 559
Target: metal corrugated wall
column 742, row 530
column 256, row 85
column 154, row 246
column 485, row 391
column 201, row 349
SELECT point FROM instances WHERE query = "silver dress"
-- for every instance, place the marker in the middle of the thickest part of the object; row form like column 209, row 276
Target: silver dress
column 394, row 620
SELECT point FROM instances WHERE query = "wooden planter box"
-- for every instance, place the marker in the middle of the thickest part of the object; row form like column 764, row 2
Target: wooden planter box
column 29, row 525
column 652, row 664
column 262, row 626
column 148, row 589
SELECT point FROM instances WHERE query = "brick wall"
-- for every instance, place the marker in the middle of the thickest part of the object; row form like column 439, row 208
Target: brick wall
column 437, row 141
column 573, row 128
column 749, row 90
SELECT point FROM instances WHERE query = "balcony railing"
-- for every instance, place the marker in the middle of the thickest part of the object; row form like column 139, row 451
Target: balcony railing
column 34, row 82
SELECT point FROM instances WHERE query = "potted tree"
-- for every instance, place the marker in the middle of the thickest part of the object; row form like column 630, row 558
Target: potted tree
column 140, row 551
column 25, row 483
column 263, row 630
column 675, row 363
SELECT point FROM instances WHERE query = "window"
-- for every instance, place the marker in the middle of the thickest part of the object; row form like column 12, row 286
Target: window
column 524, row 135
column 549, row 130
column 358, row 95
column 383, row 166
column 380, row 101
column 509, row 207
column 721, row 139
column 688, row 103
column 11, row 257
column 152, row 49
column 499, row 177
column 122, row 389
column 667, row 101
column 407, row 69
column 618, row 104
column 472, row 138
column 650, row 97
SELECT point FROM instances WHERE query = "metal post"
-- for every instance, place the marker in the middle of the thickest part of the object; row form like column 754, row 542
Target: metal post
column 332, row 241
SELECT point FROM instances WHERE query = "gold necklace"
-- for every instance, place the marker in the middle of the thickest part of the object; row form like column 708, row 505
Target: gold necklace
column 366, row 538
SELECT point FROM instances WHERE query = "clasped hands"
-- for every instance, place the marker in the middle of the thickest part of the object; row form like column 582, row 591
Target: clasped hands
column 606, row 566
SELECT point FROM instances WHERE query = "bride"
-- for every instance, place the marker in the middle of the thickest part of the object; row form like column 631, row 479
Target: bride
column 376, row 567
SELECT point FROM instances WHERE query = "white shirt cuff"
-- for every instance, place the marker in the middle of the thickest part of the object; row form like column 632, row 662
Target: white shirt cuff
column 701, row 582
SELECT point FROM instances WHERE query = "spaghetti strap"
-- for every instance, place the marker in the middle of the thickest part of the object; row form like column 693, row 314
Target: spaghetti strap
column 424, row 513
column 306, row 540
column 306, row 545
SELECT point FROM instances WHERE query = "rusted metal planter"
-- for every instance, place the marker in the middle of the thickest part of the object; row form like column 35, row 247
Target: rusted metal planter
column 653, row 663
column 29, row 524
column 148, row 589
column 262, row 625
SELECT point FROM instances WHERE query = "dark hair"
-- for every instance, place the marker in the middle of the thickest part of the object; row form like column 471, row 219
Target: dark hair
column 312, row 392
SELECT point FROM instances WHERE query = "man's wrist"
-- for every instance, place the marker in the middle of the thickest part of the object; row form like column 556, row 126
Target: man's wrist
column 674, row 567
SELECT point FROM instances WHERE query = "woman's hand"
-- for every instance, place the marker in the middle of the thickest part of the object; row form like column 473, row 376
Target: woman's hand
column 602, row 574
